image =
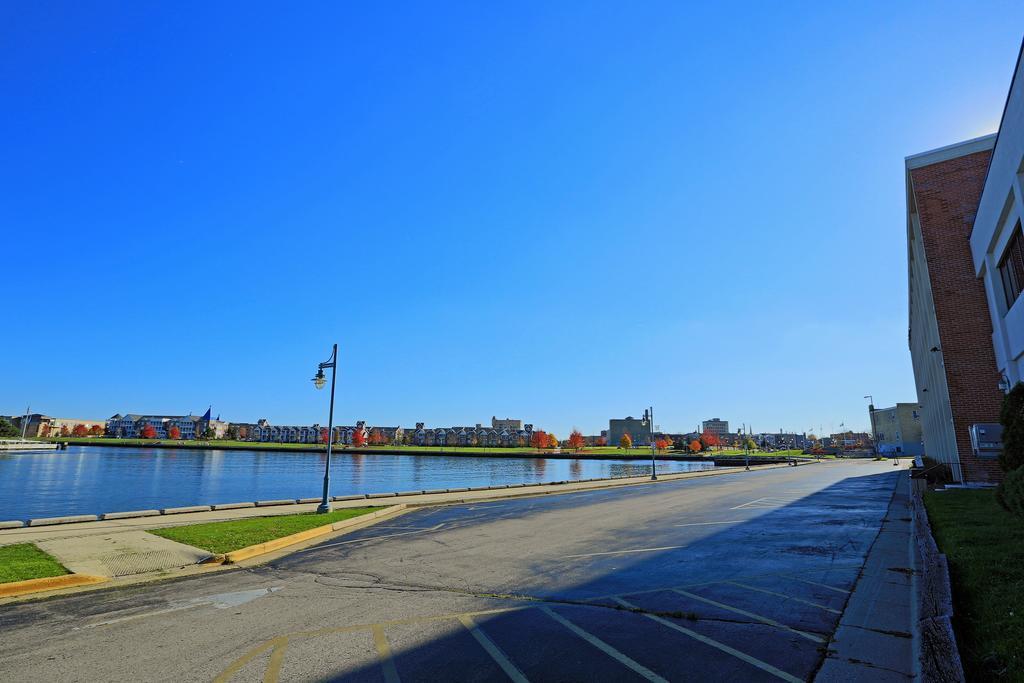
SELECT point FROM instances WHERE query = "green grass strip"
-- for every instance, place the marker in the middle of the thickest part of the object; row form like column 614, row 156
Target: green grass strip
column 984, row 545
column 223, row 537
column 25, row 561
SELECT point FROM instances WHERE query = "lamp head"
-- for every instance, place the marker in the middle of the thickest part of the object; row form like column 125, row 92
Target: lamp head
column 319, row 381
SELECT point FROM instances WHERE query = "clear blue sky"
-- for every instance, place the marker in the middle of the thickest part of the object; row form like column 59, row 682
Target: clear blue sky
column 563, row 212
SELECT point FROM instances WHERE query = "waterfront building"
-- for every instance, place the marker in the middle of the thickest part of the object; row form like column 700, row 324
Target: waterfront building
column 897, row 430
column 39, row 425
column 639, row 432
column 996, row 241
column 478, row 435
column 719, row 428
column 131, row 426
column 950, row 327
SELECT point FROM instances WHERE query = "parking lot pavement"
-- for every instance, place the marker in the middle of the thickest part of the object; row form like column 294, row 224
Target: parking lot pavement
column 723, row 578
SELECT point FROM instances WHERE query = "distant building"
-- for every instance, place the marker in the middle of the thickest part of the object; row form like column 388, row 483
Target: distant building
column 849, row 440
column 507, row 423
column 897, row 430
column 455, row 437
column 719, row 428
column 131, row 426
column 639, row 432
column 39, row 425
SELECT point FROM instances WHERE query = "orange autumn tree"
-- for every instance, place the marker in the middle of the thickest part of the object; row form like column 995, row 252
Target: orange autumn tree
column 79, row 431
column 710, row 439
column 695, row 446
column 174, row 432
column 358, row 438
column 662, row 444
column 96, row 430
column 148, row 432
column 576, row 441
column 539, row 439
column 552, row 441
column 626, row 442
column 602, row 441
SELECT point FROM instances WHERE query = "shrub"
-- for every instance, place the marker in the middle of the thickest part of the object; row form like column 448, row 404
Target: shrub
column 1010, row 493
column 1012, row 418
column 8, row 430
column 936, row 473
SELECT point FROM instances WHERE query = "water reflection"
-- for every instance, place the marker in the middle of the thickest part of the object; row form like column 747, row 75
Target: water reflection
column 91, row 480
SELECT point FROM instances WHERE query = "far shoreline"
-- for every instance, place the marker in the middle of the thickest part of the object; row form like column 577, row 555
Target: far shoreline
column 514, row 452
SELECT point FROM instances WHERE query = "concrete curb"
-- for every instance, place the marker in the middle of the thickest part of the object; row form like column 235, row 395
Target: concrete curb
column 938, row 654
column 278, row 543
column 50, row 583
column 70, row 519
column 185, row 509
column 130, row 515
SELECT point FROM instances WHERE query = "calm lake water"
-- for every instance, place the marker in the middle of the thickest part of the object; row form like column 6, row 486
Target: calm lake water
column 96, row 479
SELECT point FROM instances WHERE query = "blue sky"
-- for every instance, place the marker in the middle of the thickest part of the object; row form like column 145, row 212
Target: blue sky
column 563, row 212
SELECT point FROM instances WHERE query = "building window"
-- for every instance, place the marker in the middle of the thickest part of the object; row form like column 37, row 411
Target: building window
column 1011, row 267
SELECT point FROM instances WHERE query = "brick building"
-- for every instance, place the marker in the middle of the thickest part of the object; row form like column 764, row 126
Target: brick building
column 950, row 330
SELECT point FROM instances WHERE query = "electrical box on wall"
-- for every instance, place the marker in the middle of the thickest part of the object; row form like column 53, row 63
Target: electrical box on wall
column 987, row 440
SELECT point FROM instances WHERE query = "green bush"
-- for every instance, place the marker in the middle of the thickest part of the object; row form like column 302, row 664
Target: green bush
column 1010, row 493
column 8, row 430
column 935, row 472
column 1012, row 418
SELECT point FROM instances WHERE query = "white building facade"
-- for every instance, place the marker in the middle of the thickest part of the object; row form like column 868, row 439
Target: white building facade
column 996, row 241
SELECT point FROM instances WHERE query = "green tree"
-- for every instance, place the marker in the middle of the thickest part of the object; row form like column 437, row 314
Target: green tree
column 1012, row 419
column 8, row 430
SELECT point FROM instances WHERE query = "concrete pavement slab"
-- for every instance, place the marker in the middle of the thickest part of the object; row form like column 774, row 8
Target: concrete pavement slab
column 122, row 554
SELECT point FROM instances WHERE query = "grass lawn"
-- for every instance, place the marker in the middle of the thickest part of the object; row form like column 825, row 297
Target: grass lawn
column 25, row 561
column 985, row 548
column 223, row 537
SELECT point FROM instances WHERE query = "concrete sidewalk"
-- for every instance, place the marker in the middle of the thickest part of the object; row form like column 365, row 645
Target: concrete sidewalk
column 875, row 638
column 122, row 547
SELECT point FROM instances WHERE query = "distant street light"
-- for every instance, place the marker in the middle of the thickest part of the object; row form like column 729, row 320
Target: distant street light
column 649, row 422
column 319, row 381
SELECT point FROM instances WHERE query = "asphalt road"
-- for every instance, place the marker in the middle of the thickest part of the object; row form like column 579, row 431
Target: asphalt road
column 738, row 577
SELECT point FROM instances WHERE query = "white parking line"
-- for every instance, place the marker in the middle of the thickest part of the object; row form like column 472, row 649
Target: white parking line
column 622, row 552
column 823, row 585
column 753, row 661
column 757, row 617
column 603, row 646
column 783, row 595
column 510, row 669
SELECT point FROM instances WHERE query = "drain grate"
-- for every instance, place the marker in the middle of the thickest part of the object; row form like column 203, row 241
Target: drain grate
column 126, row 564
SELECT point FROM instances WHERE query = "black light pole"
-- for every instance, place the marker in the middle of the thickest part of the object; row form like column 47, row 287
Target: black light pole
column 649, row 419
column 319, row 381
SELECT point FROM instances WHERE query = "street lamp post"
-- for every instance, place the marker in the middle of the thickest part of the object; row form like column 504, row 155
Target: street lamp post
column 746, row 448
column 649, row 420
column 319, row 381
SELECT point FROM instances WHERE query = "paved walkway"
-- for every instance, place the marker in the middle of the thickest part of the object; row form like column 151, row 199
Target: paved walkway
column 874, row 640
column 121, row 547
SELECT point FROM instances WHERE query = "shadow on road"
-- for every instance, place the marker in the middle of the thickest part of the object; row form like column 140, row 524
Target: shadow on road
column 754, row 594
